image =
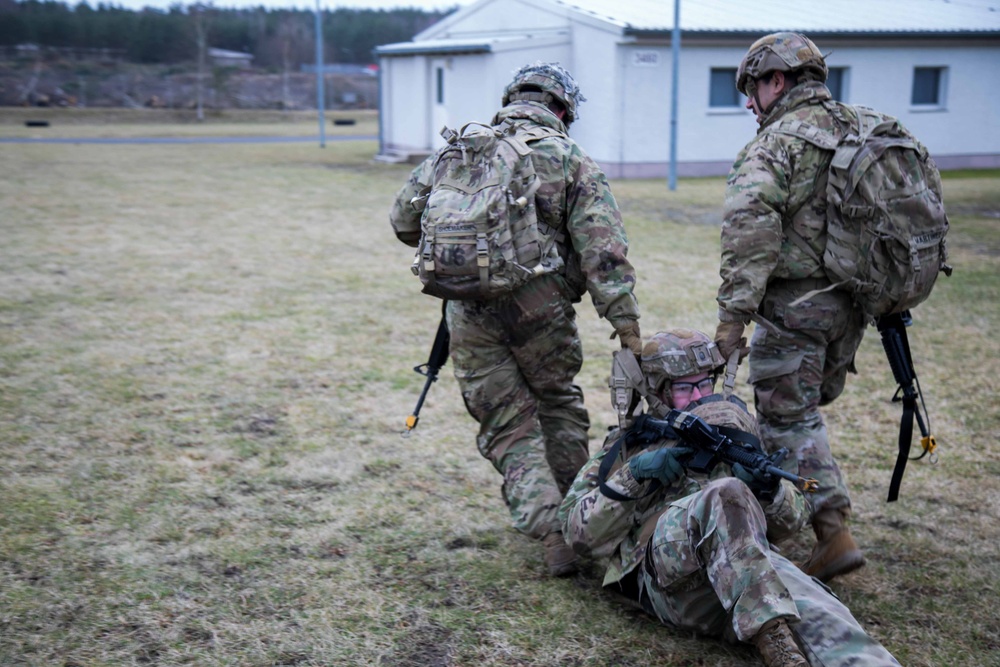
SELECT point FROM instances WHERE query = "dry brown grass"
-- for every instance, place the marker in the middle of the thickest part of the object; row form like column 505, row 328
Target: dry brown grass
column 205, row 363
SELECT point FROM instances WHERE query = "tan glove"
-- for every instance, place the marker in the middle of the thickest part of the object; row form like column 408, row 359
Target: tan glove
column 729, row 337
column 629, row 336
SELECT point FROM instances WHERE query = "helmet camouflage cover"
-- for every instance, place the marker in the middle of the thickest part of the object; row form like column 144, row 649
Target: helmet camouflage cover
column 732, row 414
column 676, row 353
column 781, row 52
column 545, row 83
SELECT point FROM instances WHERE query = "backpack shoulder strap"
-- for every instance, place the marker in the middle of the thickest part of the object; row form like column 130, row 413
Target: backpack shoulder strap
column 825, row 140
column 536, row 132
column 627, row 385
column 814, row 135
column 522, row 134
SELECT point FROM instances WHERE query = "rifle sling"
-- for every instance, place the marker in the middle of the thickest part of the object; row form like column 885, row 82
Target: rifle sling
column 738, row 436
column 909, row 400
column 649, row 525
column 602, row 475
column 905, row 435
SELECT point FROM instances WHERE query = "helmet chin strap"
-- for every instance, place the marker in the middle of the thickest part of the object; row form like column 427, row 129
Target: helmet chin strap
column 756, row 98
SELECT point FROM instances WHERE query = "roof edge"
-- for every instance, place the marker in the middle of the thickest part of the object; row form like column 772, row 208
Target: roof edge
column 417, row 48
column 665, row 33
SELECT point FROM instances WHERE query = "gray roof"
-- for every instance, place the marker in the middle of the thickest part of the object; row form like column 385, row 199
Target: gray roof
column 809, row 16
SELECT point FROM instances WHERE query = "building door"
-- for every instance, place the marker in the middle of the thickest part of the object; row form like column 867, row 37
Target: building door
column 439, row 100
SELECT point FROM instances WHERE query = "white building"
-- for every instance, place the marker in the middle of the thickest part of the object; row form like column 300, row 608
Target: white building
column 935, row 64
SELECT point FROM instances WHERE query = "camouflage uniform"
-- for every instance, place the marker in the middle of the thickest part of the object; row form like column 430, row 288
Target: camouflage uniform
column 515, row 356
column 697, row 555
column 778, row 183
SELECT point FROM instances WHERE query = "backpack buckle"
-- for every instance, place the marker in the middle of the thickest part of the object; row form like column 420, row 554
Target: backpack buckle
column 482, row 251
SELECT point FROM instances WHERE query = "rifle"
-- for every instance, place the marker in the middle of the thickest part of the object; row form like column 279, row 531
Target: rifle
column 715, row 444
column 437, row 359
column 892, row 328
column 712, row 445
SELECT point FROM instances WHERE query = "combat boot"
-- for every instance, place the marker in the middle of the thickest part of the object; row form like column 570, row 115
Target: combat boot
column 559, row 556
column 836, row 552
column 777, row 646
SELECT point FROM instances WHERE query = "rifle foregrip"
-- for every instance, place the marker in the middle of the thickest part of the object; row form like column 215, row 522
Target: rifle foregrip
column 892, row 342
column 734, row 454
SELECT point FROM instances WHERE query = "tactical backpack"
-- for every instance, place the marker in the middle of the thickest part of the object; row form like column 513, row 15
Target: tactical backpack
column 480, row 233
column 886, row 224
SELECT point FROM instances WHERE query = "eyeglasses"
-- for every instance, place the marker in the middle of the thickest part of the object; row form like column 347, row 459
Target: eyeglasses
column 685, row 389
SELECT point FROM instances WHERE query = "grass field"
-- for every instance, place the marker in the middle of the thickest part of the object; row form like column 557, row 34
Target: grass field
column 206, row 359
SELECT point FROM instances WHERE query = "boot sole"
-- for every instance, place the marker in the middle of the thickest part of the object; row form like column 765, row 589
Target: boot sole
column 563, row 570
column 843, row 565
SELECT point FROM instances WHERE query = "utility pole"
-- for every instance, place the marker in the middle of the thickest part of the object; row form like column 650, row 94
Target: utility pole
column 202, row 40
column 675, row 56
column 320, row 96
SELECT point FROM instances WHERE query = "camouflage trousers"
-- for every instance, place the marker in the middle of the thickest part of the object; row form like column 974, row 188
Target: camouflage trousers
column 710, row 569
column 515, row 358
column 796, row 372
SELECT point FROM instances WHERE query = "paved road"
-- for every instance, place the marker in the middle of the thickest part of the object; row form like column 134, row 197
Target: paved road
column 182, row 140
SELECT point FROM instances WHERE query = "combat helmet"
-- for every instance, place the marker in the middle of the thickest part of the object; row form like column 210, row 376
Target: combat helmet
column 676, row 353
column 781, row 52
column 545, row 83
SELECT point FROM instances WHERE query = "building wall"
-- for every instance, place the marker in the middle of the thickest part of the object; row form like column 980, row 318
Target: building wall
column 643, row 119
column 707, row 138
column 969, row 121
column 591, row 61
column 964, row 131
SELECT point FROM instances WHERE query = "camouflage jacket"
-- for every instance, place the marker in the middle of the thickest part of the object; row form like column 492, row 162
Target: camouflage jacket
column 777, row 182
column 574, row 200
column 619, row 530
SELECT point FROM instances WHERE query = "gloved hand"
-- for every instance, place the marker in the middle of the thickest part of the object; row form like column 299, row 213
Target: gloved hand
column 729, row 338
column 764, row 487
column 663, row 464
column 630, row 337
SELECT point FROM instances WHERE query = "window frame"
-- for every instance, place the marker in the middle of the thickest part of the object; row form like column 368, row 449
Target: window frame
column 845, row 84
column 739, row 106
column 941, row 98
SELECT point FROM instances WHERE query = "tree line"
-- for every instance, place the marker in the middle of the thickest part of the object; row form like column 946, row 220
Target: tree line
column 279, row 38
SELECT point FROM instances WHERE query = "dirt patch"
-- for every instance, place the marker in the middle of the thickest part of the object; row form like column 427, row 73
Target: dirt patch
column 426, row 645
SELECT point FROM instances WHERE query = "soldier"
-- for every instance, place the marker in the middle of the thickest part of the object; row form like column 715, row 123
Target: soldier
column 695, row 552
column 773, row 238
column 516, row 355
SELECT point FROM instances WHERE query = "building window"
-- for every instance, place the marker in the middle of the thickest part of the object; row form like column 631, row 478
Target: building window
column 928, row 86
column 836, row 81
column 440, row 85
column 722, row 93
